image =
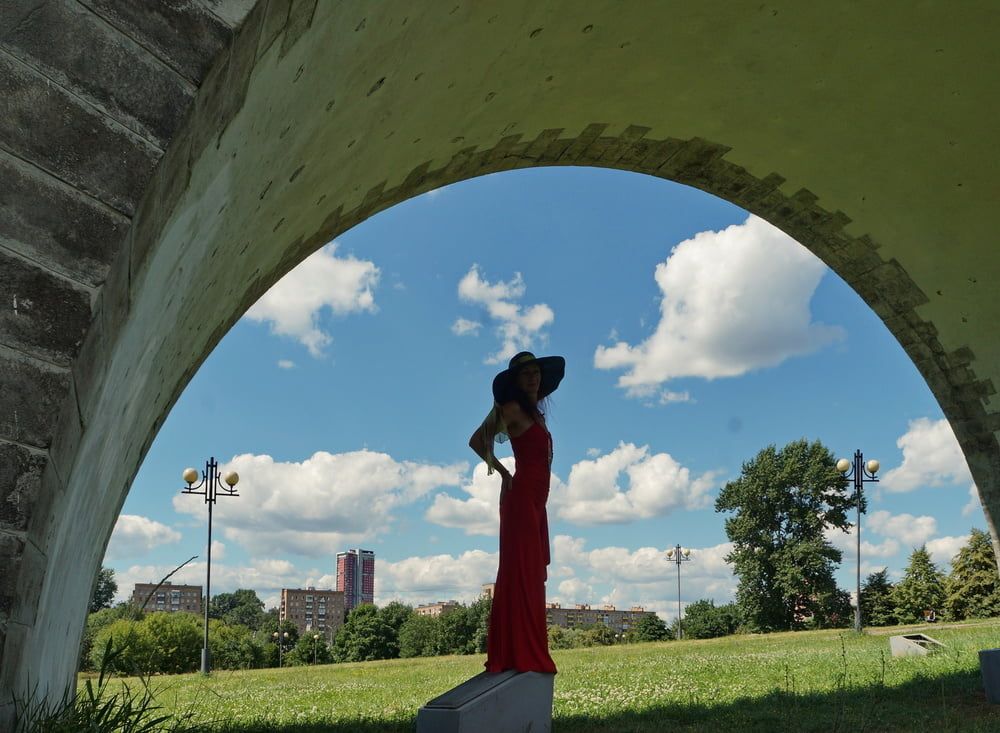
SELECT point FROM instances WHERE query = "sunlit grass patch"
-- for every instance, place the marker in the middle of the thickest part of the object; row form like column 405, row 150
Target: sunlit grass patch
column 824, row 680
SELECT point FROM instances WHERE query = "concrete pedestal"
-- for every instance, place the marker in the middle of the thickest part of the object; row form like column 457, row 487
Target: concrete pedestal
column 506, row 702
column 913, row 645
column 989, row 667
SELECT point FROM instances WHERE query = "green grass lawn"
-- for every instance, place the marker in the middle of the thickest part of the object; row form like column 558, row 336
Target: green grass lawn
column 806, row 681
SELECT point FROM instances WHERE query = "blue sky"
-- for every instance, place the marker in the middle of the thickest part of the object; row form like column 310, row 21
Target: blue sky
column 694, row 335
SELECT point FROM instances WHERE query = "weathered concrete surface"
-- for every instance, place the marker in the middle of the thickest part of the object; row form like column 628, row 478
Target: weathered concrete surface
column 55, row 225
column 868, row 136
column 506, row 702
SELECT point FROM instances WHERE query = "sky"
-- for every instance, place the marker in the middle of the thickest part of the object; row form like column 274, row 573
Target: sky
column 695, row 335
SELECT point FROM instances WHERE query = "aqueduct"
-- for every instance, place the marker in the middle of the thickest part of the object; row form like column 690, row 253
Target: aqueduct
column 148, row 148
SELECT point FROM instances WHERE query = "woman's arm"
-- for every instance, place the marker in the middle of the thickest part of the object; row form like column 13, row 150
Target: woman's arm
column 481, row 443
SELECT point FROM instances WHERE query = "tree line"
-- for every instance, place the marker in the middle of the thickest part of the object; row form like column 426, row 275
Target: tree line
column 780, row 510
column 779, row 513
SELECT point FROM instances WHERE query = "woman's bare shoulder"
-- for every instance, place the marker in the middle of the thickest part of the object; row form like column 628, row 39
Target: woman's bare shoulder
column 512, row 414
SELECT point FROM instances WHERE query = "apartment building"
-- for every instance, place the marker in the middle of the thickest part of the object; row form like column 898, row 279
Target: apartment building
column 582, row 614
column 435, row 609
column 168, row 597
column 313, row 611
column 356, row 577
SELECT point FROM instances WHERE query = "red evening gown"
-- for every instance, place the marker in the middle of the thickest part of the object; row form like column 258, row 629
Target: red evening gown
column 518, row 638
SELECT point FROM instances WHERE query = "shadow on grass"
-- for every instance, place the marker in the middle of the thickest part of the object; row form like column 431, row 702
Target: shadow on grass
column 953, row 702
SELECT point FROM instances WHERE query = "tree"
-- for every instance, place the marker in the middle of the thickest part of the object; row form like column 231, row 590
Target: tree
column 418, row 637
column 973, row 588
column 597, row 635
column 479, row 615
column 877, row 605
column 309, row 650
column 176, row 640
column 457, row 631
column 240, row 607
column 783, row 502
column 98, row 621
column 921, row 589
column 234, row 646
column 105, row 588
column 394, row 615
column 363, row 637
column 131, row 648
column 704, row 620
column 558, row 638
column 649, row 627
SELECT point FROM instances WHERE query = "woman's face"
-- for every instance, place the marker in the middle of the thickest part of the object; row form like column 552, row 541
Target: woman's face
column 529, row 379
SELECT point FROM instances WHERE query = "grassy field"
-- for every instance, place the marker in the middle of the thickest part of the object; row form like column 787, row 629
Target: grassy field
column 807, row 681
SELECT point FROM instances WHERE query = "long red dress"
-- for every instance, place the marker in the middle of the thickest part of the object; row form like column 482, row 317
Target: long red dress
column 518, row 638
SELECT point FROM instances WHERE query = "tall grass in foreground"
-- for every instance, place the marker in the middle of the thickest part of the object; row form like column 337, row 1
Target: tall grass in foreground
column 119, row 707
column 806, row 681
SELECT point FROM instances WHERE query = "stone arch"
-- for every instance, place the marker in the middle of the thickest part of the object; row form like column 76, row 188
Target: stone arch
column 314, row 116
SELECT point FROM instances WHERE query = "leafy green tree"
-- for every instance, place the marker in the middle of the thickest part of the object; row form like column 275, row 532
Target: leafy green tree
column 921, row 589
column 418, row 637
column 704, row 620
column 105, row 589
column 234, row 646
column 782, row 503
column 310, row 650
column 394, row 615
column 597, row 635
column 177, row 641
column 479, row 615
column 649, row 627
column 239, row 607
column 558, row 638
column 363, row 637
column 264, row 636
column 96, row 622
column 133, row 643
column 877, row 605
column 973, row 587
column 457, row 631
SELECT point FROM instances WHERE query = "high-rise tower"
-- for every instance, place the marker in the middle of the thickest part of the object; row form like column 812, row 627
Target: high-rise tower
column 356, row 577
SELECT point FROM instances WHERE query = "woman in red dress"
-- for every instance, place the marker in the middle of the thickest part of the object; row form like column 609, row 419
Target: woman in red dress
column 518, row 637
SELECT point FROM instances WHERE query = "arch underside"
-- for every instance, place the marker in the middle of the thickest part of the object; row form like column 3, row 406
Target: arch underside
column 315, row 116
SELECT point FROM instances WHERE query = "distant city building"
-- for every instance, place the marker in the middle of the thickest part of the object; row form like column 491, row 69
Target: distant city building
column 582, row 614
column 356, row 577
column 435, row 609
column 313, row 611
column 168, row 597
column 488, row 589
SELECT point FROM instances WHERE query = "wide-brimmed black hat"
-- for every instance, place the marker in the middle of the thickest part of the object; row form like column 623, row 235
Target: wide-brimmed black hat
column 553, row 368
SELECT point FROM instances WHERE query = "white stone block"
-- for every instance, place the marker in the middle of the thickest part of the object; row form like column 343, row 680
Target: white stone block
column 989, row 667
column 506, row 702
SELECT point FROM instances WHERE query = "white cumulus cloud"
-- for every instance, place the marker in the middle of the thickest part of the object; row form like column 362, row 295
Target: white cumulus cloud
column 342, row 284
column 479, row 513
column 518, row 327
column 656, row 484
column 931, row 457
column 908, row 529
column 465, row 327
column 325, row 501
column 732, row 301
column 424, row 579
column 135, row 535
column 943, row 549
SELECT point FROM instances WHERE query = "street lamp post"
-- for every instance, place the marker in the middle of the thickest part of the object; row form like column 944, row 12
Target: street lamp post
column 210, row 485
column 678, row 555
column 315, row 642
column 279, row 639
column 861, row 472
